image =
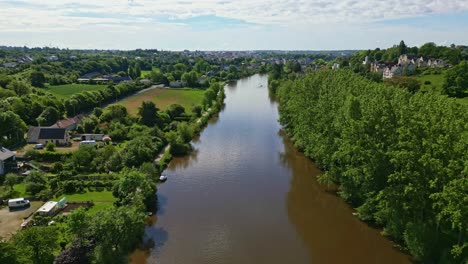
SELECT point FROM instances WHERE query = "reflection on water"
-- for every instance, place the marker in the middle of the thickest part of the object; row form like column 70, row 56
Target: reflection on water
column 247, row 196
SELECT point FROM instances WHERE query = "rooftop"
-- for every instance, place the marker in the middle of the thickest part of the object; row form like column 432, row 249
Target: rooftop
column 5, row 153
column 47, row 207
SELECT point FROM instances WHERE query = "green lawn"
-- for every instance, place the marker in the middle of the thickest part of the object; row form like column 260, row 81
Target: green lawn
column 437, row 81
column 98, row 207
column 145, row 73
column 164, row 97
column 67, row 90
column 104, row 196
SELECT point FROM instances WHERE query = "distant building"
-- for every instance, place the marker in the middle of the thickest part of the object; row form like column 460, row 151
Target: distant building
column 10, row 64
column 177, row 84
column 436, row 63
column 52, row 58
column 7, row 160
column 96, row 137
column 44, row 135
column 335, row 66
column 69, row 123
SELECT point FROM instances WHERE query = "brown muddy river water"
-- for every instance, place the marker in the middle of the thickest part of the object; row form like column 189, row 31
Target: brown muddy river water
column 247, row 196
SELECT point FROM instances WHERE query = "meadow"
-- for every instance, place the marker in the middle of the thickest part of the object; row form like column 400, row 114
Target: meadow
column 67, row 90
column 164, row 97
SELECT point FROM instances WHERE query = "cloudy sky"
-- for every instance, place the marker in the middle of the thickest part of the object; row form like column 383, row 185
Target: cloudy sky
column 232, row 24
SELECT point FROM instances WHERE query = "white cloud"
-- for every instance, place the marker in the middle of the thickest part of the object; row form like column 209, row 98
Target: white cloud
column 266, row 17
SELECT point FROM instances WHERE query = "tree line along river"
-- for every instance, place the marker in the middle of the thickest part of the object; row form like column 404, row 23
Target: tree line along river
column 246, row 195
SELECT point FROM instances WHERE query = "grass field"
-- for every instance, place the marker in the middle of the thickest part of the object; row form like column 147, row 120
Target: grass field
column 144, row 74
column 104, row 196
column 436, row 82
column 164, row 97
column 67, row 90
column 98, row 207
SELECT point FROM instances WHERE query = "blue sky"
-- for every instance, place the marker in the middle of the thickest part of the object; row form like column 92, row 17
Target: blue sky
column 232, row 24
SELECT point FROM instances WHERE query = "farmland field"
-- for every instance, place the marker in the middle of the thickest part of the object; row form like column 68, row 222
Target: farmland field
column 164, row 97
column 67, row 90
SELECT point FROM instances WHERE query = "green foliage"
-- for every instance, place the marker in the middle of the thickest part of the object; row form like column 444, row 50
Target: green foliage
column 12, row 128
column 456, row 80
column 133, row 183
column 114, row 112
column 175, row 110
column 37, row 79
column 82, row 158
column 11, row 179
column 50, row 147
column 148, row 113
column 409, row 83
column 185, row 132
column 400, row 158
column 37, row 244
column 191, row 78
column 116, row 231
column 139, row 150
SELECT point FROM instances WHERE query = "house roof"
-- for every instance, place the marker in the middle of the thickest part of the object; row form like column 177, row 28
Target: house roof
column 64, row 123
column 52, row 133
column 33, row 132
column 90, row 75
column 5, row 153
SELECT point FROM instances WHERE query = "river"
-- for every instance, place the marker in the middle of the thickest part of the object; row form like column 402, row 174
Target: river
column 245, row 195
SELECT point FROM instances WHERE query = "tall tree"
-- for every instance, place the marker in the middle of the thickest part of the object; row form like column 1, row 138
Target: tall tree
column 38, row 243
column 37, row 79
column 148, row 113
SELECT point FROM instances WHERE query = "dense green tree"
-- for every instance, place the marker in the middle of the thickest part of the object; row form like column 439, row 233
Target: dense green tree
column 11, row 179
column 456, row 80
column 114, row 112
column 20, row 88
column 410, row 83
column 148, row 113
column 191, row 78
column 400, row 158
column 402, row 48
column 12, row 128
column 116, row 231
column 10, row 254
column 37, row 79
column 185, row 132
column 39, row 244
column 48, row 117
column 82, row 158
column 175, row 110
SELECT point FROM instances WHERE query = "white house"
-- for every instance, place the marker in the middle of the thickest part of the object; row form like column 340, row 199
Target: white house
column 44, row 135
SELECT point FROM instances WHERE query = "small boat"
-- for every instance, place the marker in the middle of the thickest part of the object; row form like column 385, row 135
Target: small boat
column 163, row 178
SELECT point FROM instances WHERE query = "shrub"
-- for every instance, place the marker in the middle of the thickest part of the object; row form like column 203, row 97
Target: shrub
column 50, row 147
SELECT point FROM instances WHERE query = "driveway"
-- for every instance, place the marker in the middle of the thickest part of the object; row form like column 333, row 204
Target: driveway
column 10, row 221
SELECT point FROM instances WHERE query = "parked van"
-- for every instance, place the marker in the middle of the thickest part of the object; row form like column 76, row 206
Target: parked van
column 88, row 142
column 18, row 203
column 39, row 146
